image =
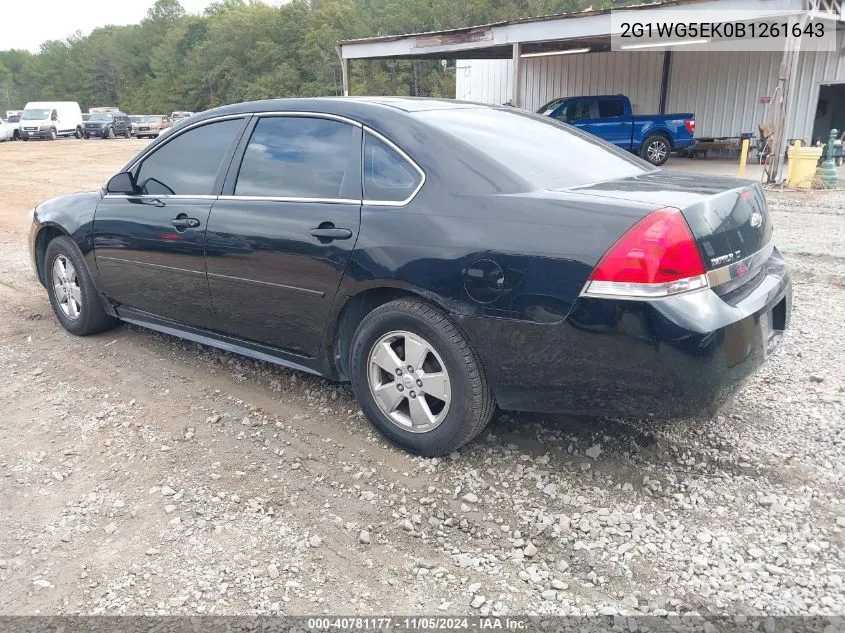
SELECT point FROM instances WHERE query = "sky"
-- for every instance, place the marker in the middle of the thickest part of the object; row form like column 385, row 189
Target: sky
column 59, row 19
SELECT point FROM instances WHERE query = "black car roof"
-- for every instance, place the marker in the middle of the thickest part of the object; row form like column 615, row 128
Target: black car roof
column 341, row 106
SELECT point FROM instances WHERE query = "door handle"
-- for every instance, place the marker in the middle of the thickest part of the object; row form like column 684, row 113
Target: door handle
column 327, row 232
column 182, row 221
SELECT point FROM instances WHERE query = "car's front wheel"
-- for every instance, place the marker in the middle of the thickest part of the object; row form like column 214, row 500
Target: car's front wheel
column 111, row 133
column 417, row 378
column 655, row 149
column 74, row 297
column 53, row 134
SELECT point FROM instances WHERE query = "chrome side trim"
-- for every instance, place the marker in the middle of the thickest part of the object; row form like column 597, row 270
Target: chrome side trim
column 405, row 157
column 159, row 266
column 190, row 126
column 296, row 289
column 643, row 292
column 310, row 115
column 290, row 199
column 147, row 196
column 738, row 269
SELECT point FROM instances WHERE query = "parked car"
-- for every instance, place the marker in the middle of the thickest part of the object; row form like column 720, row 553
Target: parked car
column 108, row 125
column 152, row 125
column 51, row 119
column 444, row 257
column 179, row 115
column 86, row 116
column 610, row 117
column 13, row 118
column 135, row 119
column 7, row 130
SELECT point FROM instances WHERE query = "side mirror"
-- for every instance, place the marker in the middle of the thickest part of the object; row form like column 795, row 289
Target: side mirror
column 121, row 183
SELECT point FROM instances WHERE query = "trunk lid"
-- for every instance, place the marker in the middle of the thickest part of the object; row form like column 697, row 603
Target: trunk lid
column 728, row 217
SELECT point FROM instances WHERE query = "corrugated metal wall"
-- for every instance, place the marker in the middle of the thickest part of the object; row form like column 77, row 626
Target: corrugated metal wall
column 723, row 89
column 484, row 80
column 634, row 74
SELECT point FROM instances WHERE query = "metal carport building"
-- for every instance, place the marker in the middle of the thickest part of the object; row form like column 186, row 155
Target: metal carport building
column 527, row 63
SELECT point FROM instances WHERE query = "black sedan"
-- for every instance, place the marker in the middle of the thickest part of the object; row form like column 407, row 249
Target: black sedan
column 444, row 257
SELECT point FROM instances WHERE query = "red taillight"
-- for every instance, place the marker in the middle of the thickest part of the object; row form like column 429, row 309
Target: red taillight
column 657, row 257
column 690, row 125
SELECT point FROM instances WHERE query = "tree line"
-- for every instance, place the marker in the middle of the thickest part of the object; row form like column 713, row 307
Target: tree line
column 241, row 51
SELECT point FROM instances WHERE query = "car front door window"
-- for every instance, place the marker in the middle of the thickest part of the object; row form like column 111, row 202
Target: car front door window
column 189, row 164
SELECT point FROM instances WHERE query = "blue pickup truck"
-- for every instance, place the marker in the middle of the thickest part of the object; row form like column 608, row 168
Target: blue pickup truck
column 652, row 136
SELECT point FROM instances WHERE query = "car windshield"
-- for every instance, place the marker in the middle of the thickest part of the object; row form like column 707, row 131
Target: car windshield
column 543, row 152
column 15, row 118
column 550, row 107
column 151, row 119
column 135, row 118
column 36, row 114
column 101, row 116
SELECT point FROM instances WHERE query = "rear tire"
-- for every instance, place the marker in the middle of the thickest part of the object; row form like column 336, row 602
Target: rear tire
column 655, row 149
column 438, row 406
column 74, row 297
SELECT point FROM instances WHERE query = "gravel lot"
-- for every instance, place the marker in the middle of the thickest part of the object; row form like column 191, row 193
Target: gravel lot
column 143, row 474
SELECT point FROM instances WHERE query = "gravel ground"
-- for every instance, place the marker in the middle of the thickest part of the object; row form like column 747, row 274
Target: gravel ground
column 144, row 474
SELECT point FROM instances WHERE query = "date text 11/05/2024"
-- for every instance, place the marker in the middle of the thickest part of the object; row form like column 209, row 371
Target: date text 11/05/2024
column 417, row 624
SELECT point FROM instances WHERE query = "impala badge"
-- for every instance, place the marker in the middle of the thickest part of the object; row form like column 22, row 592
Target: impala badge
column 756, row 219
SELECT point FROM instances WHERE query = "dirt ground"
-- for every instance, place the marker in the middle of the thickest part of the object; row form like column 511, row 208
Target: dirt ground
column 144, row 474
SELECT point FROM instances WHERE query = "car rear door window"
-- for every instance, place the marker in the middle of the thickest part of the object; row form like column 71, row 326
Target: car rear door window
column 388, row 177
column 302, row 157
column 189, row 164
column 611, row 108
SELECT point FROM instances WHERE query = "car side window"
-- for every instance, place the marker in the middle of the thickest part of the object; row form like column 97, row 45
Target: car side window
column 188, row 164
column 575, row 111
column 301, row 157
column 611, row 108
column 388, row 177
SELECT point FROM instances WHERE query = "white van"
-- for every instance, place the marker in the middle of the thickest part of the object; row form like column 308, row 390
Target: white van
column 51, row 119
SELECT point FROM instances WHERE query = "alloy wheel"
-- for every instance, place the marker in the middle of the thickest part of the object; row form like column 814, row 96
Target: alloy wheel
column 66, row 287
column 409, row 381
column 656, row 151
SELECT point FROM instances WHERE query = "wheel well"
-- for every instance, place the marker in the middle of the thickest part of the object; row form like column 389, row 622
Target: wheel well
column 351, row 315
column 662, row 133
column 44, row 237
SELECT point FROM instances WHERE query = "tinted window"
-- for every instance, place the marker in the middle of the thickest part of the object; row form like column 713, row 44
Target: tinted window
column 188, row 164
column 611, row 108
column 387, row 176
column 299, row 157
column 575, row 111
column 549, row 107
column 544, row 153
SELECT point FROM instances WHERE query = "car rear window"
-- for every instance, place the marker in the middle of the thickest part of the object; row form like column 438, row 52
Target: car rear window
column 543, row 152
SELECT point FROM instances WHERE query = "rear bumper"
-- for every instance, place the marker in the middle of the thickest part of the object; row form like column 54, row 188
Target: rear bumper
column 681, row 143
column 678, row 357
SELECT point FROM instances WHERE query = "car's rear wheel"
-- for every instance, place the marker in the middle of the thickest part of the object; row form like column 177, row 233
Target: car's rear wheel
column 74, row 297
column 655, row 149
column 417, row 378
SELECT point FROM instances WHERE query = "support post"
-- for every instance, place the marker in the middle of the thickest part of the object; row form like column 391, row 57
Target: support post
column 516, row 87
column 786, row 80
column 664, row 82
column 344, row 70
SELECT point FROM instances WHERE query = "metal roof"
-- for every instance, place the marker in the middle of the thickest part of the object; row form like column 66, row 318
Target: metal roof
column 552, row 32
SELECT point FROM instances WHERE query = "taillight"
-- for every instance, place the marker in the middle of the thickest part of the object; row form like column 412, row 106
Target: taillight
column 690, row 125
column 657, row 257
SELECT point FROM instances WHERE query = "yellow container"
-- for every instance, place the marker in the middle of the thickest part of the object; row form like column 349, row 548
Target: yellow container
column 802, row 166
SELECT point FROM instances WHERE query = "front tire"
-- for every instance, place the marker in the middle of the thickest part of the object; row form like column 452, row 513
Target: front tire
column 417, row 378
column 655, row 149
column 74, row 297
column 111, row 133
column 78, row 133
column 53, row 135
column 127, row 133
